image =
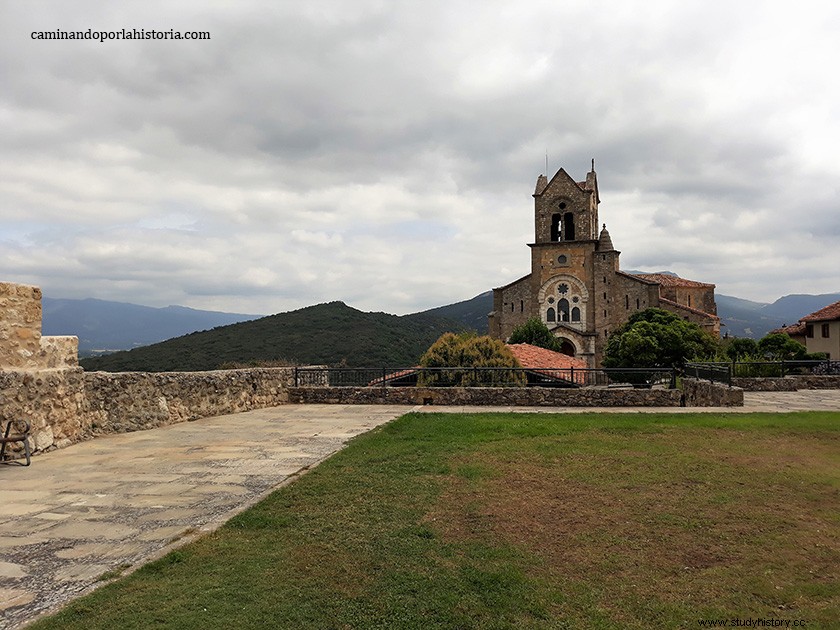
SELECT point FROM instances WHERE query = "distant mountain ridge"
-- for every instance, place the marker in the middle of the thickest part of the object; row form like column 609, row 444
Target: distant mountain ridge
column 354, row 337
column 104, row 326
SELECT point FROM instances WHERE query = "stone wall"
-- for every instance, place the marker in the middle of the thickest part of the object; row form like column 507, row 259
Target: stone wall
column 787, row 383
column 487, row 396
column 130, row 401
column 52, row 401
column 765, row 384
column 68, row 405
column 708, row 394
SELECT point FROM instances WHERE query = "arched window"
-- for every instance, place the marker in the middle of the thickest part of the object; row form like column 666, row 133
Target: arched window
column 575, row 314
column 568, row 227
column 521, row 306
column 637, row 304
column 563, row 310
column 549, row 315
column 627, row 302
column 555, row 227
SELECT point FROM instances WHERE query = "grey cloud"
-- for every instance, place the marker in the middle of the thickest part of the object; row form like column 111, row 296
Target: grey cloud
column 317, row 146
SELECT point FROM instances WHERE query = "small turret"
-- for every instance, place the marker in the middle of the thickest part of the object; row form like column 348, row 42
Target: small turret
column 604, row 241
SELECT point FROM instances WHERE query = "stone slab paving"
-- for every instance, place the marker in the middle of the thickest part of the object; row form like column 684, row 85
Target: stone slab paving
column 119, row 501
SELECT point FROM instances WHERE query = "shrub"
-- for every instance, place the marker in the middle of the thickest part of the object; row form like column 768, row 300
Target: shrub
column 741, row 348
column 464, row 351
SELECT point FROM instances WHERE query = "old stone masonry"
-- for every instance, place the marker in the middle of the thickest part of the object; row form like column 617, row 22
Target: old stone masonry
column 576, row 286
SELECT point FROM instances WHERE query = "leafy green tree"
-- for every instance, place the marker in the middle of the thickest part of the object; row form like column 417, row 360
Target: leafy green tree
column 657, row 338
column 464, row 351
column 780, row 347
column 741, row 348
column 536, row 333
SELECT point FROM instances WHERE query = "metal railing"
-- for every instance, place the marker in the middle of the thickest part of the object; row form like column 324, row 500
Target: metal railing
column 483, row 377
column 724, row 371
column 718, row 372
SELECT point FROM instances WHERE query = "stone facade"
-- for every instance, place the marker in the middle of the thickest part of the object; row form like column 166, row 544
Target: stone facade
column 576, row 286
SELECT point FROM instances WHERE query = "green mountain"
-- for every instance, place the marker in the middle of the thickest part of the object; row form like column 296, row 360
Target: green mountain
column 332, row 334
column 471, row 313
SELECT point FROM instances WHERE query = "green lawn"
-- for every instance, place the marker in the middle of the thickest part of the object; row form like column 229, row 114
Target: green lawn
column 520, row 521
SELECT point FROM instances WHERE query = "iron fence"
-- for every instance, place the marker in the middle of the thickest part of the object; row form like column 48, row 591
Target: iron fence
column 718, row 372
column 484, row 377
column 752, row 369
column 724, row 372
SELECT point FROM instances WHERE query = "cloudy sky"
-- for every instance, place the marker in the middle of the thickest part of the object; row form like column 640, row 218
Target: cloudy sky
column 384, row 153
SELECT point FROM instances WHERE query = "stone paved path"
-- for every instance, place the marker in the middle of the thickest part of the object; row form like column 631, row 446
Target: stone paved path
column 122, row 500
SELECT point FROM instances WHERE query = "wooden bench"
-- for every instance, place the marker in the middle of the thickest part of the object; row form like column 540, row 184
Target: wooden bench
column 22, row 435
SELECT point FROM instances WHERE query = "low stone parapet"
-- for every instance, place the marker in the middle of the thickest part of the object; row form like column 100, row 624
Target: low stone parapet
column 68, row 405
column 787, row 383
column 488, row 396
column 710, row 394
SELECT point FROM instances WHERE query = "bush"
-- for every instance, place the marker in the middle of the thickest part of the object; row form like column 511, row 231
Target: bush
column 464, row 351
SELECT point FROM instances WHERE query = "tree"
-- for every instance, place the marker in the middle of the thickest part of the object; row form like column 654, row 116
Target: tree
column 780, row 347
column 464, row 351
column 536, row 333
column 742, row 348
column 657, row 338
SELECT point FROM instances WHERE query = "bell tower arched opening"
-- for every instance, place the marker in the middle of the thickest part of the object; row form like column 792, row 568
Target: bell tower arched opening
column 568, row 227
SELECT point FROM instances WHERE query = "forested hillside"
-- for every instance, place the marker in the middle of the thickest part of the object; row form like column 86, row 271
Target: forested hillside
column 331, row 333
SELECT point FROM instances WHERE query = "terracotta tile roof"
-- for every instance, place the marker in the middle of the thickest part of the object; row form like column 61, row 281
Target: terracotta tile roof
column 691, row 309
column 637, row 277
column 830, row 312
column 673, row 281
column 393, row 376
column 547, row 362
column 792, row 331
column 535, row 357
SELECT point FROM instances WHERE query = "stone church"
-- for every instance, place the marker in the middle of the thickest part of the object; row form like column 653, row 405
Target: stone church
column 576, row 286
